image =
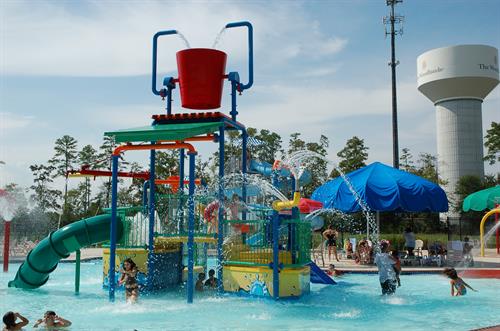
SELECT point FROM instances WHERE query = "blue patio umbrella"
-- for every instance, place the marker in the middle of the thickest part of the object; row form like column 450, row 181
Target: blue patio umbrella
column 383, row 188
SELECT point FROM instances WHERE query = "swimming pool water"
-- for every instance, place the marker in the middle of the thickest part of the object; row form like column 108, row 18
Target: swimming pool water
column 422, row 303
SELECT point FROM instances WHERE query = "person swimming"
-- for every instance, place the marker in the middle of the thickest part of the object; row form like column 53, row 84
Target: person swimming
column 51, row 320
column 457, row 283
column 9, row 320
column 128, row 278
column 334, row 272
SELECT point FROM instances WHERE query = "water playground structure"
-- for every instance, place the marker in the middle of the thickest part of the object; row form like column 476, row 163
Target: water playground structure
column 265, row 252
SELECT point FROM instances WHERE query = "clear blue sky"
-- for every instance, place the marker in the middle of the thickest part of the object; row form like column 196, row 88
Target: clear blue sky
column 82, row 68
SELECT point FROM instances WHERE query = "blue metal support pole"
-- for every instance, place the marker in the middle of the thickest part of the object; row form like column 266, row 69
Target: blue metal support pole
column 220, row 234
column 152, row 203
column 234, row 92
column 244, row 139
column 114, row 220
column 276, row 269
column 155, row 54
column 145, row 188
column 293, row 233
column 250, row 51
column 275, row 235
column 180, row 211
column 169, row 101
column 190, row 243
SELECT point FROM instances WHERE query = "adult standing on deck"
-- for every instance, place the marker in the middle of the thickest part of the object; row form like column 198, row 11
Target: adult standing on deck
column 385, row 264
column 409, row 241
column 330, row 235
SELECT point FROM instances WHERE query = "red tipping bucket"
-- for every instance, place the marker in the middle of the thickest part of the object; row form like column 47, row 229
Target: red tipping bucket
column 201, row 76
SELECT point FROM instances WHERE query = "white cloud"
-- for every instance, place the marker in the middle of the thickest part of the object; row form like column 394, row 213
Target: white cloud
column 11, row 121
column 111, row 38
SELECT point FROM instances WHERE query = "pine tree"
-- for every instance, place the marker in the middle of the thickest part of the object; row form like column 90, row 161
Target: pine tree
column 406, row 161
column 64, row 160
column 87, row 157
column 45, row 198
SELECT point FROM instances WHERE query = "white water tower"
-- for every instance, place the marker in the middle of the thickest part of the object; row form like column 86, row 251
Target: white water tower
column 457, row 79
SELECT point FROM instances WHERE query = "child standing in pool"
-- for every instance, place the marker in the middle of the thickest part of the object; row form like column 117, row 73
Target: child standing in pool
column 397, row 265
column 128, row 277
column 211, row 282
column 199, row 283
column 457, row 283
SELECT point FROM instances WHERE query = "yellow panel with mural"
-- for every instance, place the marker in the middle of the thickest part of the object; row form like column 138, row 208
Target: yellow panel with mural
column 258, row 281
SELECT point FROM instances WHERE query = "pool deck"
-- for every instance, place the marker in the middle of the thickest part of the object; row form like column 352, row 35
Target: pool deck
column 490, row 261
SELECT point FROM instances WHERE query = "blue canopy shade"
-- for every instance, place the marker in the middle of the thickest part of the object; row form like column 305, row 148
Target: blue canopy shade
column 383, row 188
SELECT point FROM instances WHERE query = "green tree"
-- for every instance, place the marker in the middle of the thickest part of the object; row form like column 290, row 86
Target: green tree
column 105, row 161
column 270, row 148
column 295, row 143
column 352, row 157
column 167, row 164
column 406, row 161
column 317, row 166
column 492, row 143
column 137, row 184
column 45, row 198
column 64, row 159
column 427, row 168
column 87, row 157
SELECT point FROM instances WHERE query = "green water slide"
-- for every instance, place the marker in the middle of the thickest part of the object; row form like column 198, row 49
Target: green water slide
column 43, row 259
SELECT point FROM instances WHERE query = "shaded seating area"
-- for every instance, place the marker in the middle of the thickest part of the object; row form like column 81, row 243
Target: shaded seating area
column 382, row 188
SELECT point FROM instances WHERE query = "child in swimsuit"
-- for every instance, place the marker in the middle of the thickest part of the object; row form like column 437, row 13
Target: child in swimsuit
column 334, row 272
column 397, row 265
column 199, row 283
column 128, row 277
column 457, row 283
column 51, row 321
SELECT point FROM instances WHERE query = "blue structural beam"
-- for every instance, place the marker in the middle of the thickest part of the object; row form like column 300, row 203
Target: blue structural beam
column 155, row 54
column 190, row 242
column 250, row 51
column 180, row 210
column 112, row 239
column 151, row 227
column 220, row 234
column 275, row 236
column 244, row 139
column 145, row 188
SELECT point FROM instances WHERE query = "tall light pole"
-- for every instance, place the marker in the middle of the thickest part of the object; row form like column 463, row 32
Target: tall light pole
column 392, row 20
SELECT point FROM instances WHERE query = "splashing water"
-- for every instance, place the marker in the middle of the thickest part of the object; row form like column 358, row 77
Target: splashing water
column 186, row 42
column 8, row 207
column 345, row 221
column 297, row 163
column 218, row 38
column 372, row 223
column 236, row 180
column 490, row 233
